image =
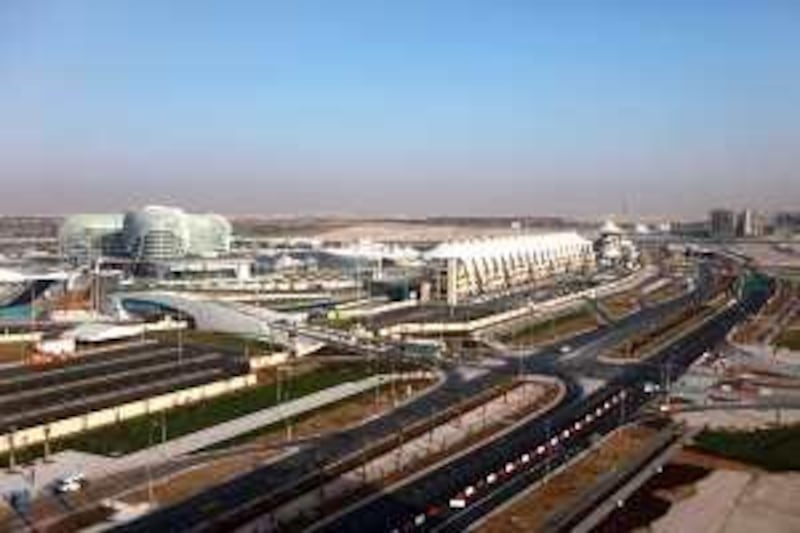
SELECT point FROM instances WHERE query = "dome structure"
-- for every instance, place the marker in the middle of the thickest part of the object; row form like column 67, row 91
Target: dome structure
column 158, row 233
column 610, row 228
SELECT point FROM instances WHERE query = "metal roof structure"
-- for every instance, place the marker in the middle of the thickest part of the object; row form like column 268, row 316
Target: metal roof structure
column 538, row 244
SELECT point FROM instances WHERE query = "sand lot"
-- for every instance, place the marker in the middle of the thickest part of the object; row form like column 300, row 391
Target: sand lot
column 730, row 501
column 744, row 419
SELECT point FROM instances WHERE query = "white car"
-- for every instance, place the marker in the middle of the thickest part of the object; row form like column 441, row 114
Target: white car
column 510, row 467
column 554, row 441
column 469, row 491
column 419, row 519
column 525, row 459
column 577, row 426
column 565, row 434
column 565, row 349
column 71, row 483
column 491, row 478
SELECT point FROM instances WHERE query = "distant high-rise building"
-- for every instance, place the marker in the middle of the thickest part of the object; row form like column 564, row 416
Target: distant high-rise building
column 787, row 221
column 723, row 223
column 750, row 224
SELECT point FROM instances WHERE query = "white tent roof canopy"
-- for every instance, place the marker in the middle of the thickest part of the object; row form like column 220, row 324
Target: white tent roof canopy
column 609, row 228
column 503, row 246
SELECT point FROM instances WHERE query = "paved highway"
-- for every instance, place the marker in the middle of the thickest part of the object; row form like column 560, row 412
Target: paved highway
column 424, row 504
column 230, row 504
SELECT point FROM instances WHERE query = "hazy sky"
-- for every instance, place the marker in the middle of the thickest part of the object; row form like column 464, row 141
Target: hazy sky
column 403, row 107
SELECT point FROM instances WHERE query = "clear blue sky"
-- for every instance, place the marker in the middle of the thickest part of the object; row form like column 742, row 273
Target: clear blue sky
column 435, row 106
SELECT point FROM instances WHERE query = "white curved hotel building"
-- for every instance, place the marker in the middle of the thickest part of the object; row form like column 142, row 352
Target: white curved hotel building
column 158, row 233
column 471, row 268
column 151, row 234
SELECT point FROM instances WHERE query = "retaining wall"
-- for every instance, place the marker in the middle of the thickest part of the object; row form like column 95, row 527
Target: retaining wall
column 76, row 424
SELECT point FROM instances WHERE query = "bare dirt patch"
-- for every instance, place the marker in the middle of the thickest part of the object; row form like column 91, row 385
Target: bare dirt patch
column 14, row 352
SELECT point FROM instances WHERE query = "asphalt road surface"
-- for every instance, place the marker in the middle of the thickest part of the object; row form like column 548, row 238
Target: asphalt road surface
column 233, row 503
column 424, row 504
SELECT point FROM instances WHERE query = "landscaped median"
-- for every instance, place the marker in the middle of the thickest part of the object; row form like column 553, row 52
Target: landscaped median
column 654, row 337
column 553, row 305
column 541, row 330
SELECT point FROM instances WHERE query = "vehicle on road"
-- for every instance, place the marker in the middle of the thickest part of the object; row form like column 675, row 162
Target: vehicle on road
column 70, row 483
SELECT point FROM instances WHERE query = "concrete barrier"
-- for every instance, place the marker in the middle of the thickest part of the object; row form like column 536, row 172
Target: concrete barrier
column 359, row 312
column 264, row 361
column 12, row 338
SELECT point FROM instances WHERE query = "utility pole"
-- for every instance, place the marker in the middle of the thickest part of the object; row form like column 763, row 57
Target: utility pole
column 47, row 444
column 180, row 338
column 547, row 457
column 277, row 385
column 12, row 459
column 150, row 495
column 376, row 390
column 287, row 393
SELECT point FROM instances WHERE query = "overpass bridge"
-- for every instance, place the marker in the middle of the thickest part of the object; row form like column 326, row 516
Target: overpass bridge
column 288, row 329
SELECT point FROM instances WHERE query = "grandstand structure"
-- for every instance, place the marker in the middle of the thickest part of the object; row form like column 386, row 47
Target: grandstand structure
column 467, row 269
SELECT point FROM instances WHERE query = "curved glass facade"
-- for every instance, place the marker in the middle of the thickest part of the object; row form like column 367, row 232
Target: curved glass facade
column 153, row 233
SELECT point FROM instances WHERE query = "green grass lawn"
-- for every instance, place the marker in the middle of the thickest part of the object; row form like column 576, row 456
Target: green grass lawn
column 775, row 449
column 136, row 433
column 233, row 343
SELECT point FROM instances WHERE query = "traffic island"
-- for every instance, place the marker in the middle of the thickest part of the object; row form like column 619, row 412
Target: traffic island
column 654, row 337
column 545, row 330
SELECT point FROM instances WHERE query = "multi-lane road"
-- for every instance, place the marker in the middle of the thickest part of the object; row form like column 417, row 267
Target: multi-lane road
column 248, row 497
column 485, row 473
